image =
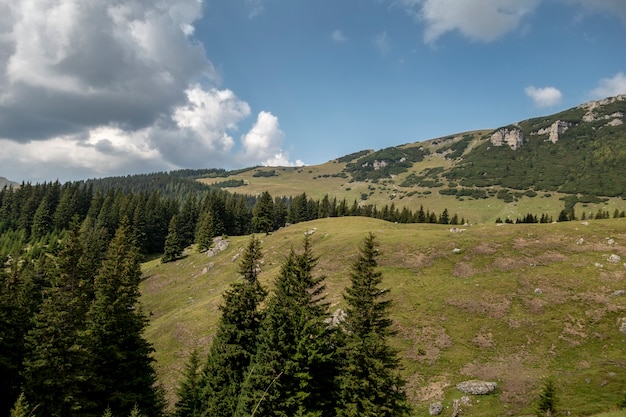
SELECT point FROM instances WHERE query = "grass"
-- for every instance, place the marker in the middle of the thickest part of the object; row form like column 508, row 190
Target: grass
column 319, row 180
column 475, row 314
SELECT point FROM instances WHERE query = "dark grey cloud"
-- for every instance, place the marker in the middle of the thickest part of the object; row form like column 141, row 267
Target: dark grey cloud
column 70, row 66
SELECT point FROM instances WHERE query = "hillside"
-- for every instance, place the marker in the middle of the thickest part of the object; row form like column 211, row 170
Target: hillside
column 7, row 183
column 513, row 304
column 572, row 159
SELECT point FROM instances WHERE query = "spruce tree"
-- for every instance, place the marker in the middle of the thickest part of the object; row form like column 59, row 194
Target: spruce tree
column 56, row 364
column 236, row 338
column 369, row 384
column 547, row 399
column 205, row 231
column 120, row 356
column 292, row 371
column 263, row 214
column 173, row 248
column 188, row 403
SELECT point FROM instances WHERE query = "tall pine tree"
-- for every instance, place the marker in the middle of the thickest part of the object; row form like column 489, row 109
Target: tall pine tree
column 121, row 357
column 235, row 340
column 369, row 384
column 56, row 364
column 292, row 371
column 173, row 246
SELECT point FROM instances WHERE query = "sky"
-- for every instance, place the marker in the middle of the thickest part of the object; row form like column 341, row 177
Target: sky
column 96, row 88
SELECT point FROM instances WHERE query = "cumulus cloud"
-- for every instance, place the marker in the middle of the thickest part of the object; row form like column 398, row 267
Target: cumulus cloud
column 481, row 20
column 382, row 42
column 612, row 86
column 108, row 87
column 71, row 66
column 545, row 96
column 338, row 36
column 263, row 142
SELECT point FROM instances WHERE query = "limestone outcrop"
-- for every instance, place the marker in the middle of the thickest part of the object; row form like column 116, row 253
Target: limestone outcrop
column 514, row 138
column 555, row 130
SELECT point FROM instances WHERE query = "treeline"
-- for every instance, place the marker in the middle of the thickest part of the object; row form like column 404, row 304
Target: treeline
column 71, row 331
column 291, row 358
column 565, row 216
column 39, row 215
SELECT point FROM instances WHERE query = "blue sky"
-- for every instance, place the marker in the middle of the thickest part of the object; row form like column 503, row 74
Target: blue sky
column 120, row 87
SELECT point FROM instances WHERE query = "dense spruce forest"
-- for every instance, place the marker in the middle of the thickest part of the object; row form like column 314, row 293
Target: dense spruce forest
column 71, row 328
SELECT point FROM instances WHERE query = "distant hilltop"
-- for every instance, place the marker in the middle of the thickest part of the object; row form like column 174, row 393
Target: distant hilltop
column 5, row 182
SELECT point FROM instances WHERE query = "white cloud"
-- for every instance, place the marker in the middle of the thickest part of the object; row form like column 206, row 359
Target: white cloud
column 545, row 96
column 281, row 159
column 608, row 87
column 264, row 139
column 615, row 8
column 110, row 87
column 481, row 20
column 210, row 114
column 382, row 43
column 338, row 36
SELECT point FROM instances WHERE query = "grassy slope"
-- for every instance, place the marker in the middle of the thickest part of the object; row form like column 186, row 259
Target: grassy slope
column 317, row 181
column 459, row 316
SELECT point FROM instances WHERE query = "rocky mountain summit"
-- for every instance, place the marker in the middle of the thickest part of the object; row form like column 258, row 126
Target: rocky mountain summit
column 590, row 112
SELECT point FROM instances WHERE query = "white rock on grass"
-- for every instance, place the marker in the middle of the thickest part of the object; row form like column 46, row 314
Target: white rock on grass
column 476, row 387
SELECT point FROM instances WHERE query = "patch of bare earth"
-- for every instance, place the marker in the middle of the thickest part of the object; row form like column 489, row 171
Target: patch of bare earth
column 484, row 249
column 504, row 263
column 427, row 342
column 494, row 305
column 484, row 339
column 463, row 270
column 430, row 392
column 516, row 380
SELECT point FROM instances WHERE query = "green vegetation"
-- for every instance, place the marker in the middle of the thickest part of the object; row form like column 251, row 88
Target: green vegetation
column 384, row 163
column 491, row 282
column 588, row 158
column 351, row 157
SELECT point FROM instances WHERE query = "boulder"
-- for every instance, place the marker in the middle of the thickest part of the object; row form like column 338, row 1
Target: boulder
column 476, row 387
column 435, row 409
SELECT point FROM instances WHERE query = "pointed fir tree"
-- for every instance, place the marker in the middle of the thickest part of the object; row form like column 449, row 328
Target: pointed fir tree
column 263, row 214
column 120, row 356
column 292, row 372
column 369, row 384
column 236, row 338
column 56, row 366
column 173, row 248
column 205, row 231
column 188, row 403
column 547, row 399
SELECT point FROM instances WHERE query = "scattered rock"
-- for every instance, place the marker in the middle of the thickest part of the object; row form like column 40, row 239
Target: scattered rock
column 456, row 250
column 476, row 387
column 618, row 293
column 610, row 241
column 622, row 324
column 338, row 317
column 598, row 265
column 435, row 409
column 310, row 232
column 465, row 400
column 456, row 230
column 585, row 223
column 538, row 291
column 219, row 244
column 236, row 256
column 580, row 241
column 456, row 408
column 614, row 259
